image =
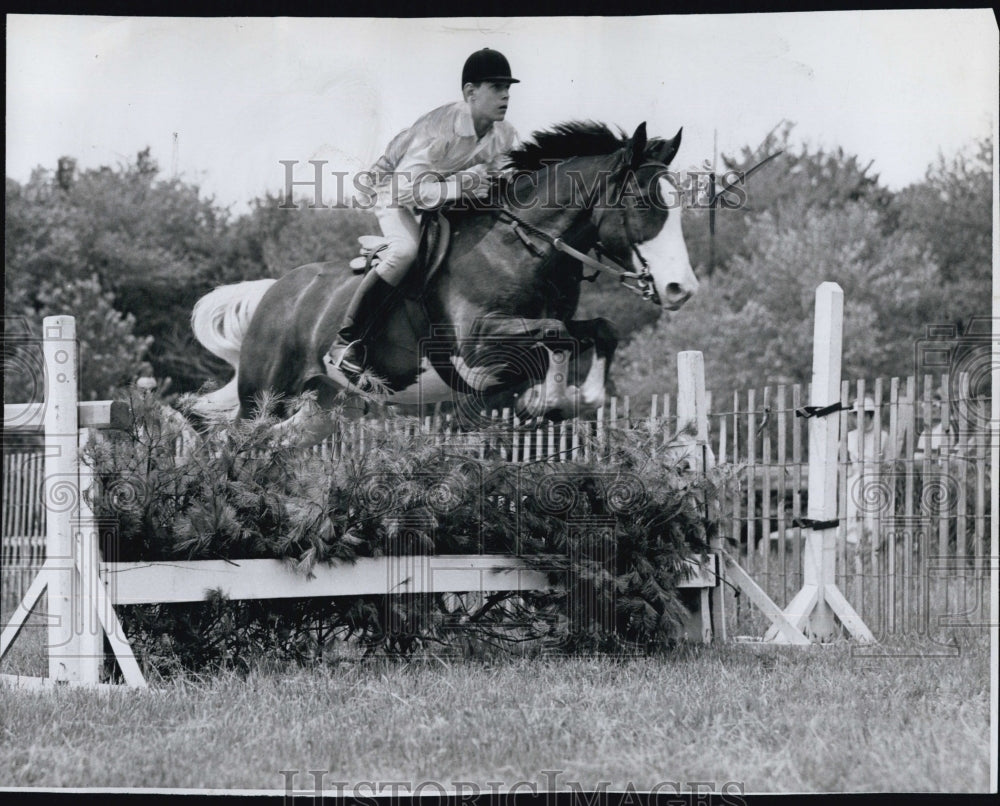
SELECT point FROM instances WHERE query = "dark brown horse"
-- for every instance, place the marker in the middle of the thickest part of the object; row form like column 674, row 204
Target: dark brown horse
column 495, row 318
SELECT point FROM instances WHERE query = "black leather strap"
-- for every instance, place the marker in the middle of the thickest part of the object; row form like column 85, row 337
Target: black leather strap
column 809, row 523
column 819, row 411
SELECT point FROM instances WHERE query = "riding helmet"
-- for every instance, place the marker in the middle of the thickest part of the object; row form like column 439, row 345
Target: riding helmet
column 487, row 65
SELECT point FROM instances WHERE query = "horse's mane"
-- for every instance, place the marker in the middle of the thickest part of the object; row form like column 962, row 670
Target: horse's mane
column 580, row 138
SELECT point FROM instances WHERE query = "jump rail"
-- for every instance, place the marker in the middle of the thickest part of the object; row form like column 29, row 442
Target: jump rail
column 83, row 590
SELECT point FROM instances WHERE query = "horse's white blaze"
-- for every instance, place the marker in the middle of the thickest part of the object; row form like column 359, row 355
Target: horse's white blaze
column 667, row 256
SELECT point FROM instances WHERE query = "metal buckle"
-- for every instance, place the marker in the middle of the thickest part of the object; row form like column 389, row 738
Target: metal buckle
column 647, row 285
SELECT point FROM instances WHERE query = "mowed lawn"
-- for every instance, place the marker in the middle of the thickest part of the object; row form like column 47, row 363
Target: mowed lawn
column 755, row 718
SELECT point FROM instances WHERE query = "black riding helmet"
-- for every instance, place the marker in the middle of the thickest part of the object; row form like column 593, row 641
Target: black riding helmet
column 487, row 65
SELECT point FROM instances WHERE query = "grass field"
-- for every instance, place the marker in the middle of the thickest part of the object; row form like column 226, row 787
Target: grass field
column 751, row 717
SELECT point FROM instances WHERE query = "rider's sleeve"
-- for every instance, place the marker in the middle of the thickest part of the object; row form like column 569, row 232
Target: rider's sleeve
column 416, row 181
column 498, row 162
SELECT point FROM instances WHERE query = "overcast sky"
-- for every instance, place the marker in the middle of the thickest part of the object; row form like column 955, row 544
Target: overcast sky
column 221, row 101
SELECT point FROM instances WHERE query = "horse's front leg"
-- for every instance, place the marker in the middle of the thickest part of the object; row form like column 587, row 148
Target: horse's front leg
column 530, row 356
column 561, row 367
column 597, row 340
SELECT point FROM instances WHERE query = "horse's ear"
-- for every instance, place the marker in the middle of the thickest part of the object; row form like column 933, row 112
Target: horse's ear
column 636, row 147
column 669, row 148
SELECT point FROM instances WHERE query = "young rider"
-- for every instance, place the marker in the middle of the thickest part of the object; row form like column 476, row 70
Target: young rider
column 445, row 156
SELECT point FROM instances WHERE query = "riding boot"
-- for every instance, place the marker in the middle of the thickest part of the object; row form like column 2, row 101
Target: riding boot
column 368, row 298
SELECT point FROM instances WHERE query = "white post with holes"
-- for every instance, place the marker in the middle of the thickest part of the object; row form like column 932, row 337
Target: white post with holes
column 62, row 489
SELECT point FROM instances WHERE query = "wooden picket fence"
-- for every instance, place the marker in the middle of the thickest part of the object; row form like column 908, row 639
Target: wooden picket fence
column 921, row 534
column 22, row 550
column 913, row 524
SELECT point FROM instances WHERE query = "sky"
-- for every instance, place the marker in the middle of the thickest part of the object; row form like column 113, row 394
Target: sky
column 221, row 101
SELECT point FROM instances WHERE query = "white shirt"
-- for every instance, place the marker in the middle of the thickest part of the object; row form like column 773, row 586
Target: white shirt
column 439, row 144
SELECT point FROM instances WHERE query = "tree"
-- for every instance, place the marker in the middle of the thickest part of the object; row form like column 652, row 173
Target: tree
column 754, row 322
column 112, row 356
column 111, row 231
column 798, row 180
column 951, row 213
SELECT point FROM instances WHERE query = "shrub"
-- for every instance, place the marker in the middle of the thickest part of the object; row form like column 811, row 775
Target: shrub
column 616, row 532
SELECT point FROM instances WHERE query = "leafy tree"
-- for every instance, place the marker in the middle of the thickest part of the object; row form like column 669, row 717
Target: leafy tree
column 754, row 323
column 120, row 231
column 951, row 213
column 920, row 257
column 41, row 239
column 795, row 182
column 112, row 356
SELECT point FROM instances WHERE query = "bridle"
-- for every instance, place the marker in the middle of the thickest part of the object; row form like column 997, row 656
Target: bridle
column 644, row 283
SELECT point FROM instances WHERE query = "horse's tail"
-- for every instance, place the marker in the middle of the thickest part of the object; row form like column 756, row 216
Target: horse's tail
column 219, row 321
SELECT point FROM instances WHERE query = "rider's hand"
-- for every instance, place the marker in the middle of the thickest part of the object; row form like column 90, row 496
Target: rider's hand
column 474, row 182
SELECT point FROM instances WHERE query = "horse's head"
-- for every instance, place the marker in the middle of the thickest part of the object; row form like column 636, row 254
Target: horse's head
column 639, row 224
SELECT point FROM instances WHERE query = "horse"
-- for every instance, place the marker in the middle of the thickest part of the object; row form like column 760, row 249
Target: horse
column 494, row 316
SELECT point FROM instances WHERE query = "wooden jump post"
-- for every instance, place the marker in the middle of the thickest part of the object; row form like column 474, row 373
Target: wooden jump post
column 810, row 615
column 83, row 590
column 78, row 612
column 692, row 411
column 813, row 608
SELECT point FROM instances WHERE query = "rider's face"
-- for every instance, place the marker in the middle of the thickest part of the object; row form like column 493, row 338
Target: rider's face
column 488, row 101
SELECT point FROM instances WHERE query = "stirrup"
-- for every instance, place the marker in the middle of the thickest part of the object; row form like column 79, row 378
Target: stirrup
column 348, row 366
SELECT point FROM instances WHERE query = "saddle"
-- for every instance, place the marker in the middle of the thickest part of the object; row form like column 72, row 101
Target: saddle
column 435, row 237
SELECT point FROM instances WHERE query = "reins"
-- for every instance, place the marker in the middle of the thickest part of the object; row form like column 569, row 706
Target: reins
column 644, row 279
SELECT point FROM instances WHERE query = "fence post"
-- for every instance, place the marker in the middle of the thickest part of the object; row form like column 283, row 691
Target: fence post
column 820, row 561
column 692, row 408
column 820, row 600
column 62, row 496
column 88, row 557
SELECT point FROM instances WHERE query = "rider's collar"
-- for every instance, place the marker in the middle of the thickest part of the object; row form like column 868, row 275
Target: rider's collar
column 464, row 126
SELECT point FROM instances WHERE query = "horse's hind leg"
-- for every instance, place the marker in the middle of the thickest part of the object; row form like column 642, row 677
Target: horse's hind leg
column 309, row 426
column 317, row 417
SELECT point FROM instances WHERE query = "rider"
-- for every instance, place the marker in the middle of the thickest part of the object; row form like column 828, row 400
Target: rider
column 445, row 155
